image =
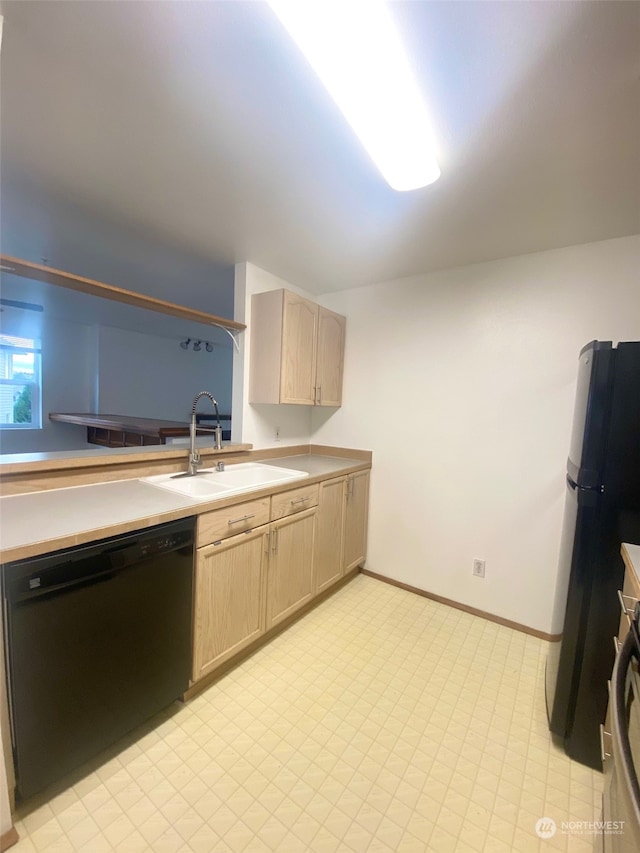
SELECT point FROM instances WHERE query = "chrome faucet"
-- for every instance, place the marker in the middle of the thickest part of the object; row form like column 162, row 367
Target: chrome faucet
column 194, row 454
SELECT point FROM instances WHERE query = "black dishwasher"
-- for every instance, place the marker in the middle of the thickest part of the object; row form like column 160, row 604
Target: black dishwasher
column 97, row 639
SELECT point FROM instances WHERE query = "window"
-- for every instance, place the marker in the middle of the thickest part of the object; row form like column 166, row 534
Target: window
column 20, row 383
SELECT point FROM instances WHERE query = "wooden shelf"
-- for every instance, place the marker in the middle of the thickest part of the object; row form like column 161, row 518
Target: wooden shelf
column 38, row 272
column 123, row 430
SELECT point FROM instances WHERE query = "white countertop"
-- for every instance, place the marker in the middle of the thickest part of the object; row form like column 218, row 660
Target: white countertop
column 62, row 513
column 60, row 518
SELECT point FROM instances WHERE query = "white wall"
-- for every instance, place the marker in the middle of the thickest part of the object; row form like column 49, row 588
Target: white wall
column 152, row 377
column 462, row 384
column 252, row 423
column 37, row 224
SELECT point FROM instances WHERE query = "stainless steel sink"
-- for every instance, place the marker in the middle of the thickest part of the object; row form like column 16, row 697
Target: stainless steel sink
column 209, row 483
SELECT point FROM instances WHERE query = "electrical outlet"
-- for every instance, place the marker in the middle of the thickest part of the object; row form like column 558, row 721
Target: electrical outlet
column 478, row 568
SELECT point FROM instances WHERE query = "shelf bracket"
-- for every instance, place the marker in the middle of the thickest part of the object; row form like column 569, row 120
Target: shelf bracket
column 231, row 334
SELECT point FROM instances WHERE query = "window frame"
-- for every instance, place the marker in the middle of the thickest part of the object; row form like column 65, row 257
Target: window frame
column 35, row 383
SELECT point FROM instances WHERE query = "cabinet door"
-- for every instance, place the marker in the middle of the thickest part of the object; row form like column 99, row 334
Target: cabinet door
column 299, row 335
column 330, row 358
column 355, row 520
column 330, row 532
column 291, row 565
column 229, row 602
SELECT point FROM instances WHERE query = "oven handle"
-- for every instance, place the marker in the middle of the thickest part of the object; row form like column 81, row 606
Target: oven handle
column 619, row 725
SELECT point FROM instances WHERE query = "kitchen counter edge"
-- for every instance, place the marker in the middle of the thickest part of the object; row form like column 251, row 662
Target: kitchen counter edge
column 319, row 466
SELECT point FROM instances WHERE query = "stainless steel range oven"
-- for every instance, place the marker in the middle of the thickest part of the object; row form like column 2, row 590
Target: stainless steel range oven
column 621, row 798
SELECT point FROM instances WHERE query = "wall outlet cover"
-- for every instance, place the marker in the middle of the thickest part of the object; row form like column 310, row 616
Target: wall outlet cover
column 478, row 568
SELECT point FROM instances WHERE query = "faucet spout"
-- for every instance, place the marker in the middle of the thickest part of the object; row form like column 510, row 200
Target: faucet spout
column 194, row 454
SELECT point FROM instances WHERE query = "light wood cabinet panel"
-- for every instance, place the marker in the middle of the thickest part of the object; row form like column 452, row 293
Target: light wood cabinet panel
column 247, row 583
column 229, row 611
column 222, row 523
column 330, row 532
column 355, row 520
column 330, row 358
column 294, row 500
column 290, row 579
column 297, row 351
column 299, row 343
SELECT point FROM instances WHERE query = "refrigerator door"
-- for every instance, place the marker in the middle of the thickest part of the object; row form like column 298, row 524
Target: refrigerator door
column 590, row 417
column 575, row 576
column 621, row 472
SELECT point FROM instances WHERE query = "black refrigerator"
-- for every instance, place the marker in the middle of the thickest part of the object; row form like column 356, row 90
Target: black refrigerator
column 602, row 510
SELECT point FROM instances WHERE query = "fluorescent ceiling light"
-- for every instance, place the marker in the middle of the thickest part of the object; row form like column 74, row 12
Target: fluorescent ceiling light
column 355, row 49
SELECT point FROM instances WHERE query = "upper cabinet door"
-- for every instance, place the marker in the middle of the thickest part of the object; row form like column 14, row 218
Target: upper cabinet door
column 297, row 349
column 299, row 336
column 330, row 357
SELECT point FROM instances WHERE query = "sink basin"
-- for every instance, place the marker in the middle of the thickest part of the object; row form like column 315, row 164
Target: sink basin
column 209, row 484
column 199, row 487
column 253, row 474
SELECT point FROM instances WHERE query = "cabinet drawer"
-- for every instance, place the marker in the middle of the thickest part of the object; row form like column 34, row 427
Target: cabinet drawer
column 222, row 523
column 295, row 500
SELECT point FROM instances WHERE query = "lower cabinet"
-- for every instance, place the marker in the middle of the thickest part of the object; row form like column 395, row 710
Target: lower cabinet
column 330, row 532
column 291, row 565
column 341, row 540
column 229, row 598
column 356, row 515
column 305, row 539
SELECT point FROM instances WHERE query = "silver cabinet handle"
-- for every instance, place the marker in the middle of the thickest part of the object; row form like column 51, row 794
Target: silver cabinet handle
column 315, row 394
column 300, row 501
column 274, row 540
column 616, row 644
column 603, row 754
column 242, row 518
column 627, row 611
column 319, row 393
column 350, row 486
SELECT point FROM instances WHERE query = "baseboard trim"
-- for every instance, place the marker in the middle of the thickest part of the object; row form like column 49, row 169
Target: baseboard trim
column 525, row 629
column 8, row 839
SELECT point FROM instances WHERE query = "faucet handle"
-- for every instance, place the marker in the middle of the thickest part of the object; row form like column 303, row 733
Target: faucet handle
column 218, row 431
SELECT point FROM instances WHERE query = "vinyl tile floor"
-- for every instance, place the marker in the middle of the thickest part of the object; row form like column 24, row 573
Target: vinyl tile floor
column 381, row 722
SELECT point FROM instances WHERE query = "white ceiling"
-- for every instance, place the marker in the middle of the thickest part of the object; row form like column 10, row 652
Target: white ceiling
column 200, row 122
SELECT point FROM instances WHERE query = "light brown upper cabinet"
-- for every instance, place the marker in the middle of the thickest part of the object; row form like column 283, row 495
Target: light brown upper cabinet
column 297, row 351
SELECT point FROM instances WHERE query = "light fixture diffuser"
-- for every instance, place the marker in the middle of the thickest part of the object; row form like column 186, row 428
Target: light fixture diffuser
column 356, row 51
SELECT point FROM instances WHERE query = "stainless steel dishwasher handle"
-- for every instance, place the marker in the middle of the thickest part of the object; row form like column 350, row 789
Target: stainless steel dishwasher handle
column 242, row 518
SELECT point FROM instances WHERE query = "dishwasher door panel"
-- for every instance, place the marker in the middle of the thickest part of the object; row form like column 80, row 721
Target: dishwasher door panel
column 91, row 661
